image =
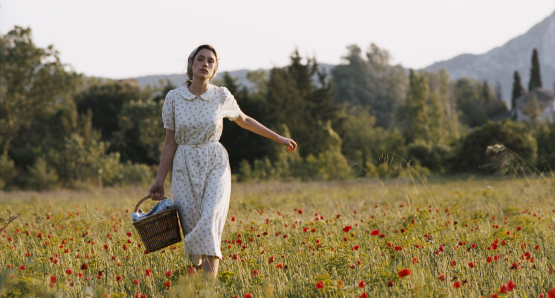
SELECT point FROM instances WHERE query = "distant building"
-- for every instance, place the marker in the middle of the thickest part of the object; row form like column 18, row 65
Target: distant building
column 545, row 100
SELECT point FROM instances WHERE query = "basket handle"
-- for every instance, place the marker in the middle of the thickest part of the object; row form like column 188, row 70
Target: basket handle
column 141, row 201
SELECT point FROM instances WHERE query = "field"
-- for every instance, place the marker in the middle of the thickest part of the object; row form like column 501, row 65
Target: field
column 458, row 237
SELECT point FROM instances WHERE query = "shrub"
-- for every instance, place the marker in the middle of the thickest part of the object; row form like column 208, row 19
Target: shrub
column 471, row 154
column 42, row 177
column 7, row 170
column 431, row 156
column 545, row 137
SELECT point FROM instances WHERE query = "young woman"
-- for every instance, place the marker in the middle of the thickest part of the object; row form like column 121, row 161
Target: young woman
column 201, row 177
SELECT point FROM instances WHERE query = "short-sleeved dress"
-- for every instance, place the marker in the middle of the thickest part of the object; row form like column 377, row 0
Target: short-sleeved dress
column 201, row 177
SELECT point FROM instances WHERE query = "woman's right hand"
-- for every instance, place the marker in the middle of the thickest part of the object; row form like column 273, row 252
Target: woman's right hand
column 156, row 192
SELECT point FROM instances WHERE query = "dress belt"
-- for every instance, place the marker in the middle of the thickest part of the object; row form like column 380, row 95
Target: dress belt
column 198, row 145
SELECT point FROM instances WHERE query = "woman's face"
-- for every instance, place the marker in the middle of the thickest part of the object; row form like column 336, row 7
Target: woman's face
column 204, row 64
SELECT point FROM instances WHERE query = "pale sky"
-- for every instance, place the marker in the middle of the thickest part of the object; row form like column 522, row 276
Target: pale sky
column 130, row 38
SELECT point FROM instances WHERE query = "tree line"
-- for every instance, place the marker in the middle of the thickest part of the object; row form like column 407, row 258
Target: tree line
column 367, row 118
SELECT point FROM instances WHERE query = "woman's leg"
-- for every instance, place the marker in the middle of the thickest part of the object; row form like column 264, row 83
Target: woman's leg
column 210, row 267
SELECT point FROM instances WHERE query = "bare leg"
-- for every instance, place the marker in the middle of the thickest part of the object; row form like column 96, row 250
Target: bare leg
column 210, row 267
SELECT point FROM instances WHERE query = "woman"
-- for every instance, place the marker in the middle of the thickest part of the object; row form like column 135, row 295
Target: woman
column 201, row 177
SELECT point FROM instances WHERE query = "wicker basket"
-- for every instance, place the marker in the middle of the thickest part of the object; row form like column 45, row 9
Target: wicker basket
column 158, row 230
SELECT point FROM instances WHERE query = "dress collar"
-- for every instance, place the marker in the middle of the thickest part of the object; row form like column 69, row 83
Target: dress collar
column 209, row 94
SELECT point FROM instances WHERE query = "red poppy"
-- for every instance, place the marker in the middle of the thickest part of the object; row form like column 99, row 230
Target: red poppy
column 254, row 273
column 192, row 270
column 361, row 284
column 442, row 277
column 551, row 293
column 118, row 278
column 363, row 295
column 375, row 233
column 457, row 285
column 84, row 266
column 511, row 285
column 300, row 211
column 398, row 248
column 22, row 267
column 415, row 261
column 494, row 295
column 471, row 265
column 313, row 230
column 136, row 281
column 453, row 263
column 271, row 260
column 129, row 234
column 356, row 247
column 390, row 283
column 53, row 279
column 148, row 272
column 441, row 248
column 305, row 229
column 167, row 284
column 504, row 289
column 346, row 229
column 320, row 285
column 404, row 272
column 169, row 273
column 69, row 271
column 489, row 259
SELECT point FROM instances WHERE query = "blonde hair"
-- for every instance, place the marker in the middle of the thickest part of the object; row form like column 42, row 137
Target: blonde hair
column 191, row 59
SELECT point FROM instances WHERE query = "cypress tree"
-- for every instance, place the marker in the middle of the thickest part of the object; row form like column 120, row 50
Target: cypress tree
column 535, row 77
column 517, row 89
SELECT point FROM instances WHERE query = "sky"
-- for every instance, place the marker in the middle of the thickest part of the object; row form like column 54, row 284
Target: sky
column 130, row 38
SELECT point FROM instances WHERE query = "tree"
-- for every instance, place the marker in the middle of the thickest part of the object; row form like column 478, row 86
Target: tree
column 412, row 115
column 517, row 89
column 32, row 81
column 371, row 82
column 166, row 87
column 106, row 101
column 535, row 77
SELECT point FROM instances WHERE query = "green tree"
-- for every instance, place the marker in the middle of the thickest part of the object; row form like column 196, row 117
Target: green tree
column 164, row 87
column 106, row 101
column 371, row 82
column 517, row 89
column 412, row 115
column 535, row 76
column 32, row 81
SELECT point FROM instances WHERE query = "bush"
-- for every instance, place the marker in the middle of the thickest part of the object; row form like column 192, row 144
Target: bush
column 7, row 170
column 428, row 155
column 545, row 137
column 471, row 154
column 42, row 177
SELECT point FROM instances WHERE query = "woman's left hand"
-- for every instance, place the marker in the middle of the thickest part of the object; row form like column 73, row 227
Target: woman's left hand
column 289, row 143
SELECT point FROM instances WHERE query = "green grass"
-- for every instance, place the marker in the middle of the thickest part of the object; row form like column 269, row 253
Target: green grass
column 466, row 207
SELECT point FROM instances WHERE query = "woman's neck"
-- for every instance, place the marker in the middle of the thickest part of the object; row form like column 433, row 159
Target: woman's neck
column 198, row 87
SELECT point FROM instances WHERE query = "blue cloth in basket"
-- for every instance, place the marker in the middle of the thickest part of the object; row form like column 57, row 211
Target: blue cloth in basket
column 161, row 206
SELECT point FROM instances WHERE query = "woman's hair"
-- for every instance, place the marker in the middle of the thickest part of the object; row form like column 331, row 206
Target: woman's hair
column 192, row 59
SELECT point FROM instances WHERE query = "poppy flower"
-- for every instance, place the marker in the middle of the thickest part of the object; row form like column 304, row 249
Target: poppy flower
column 136, row 281
column 346, row 229
column 129, row 234
column 356, row 247
column 69, row 271
column 404, row 272
column 148, row 272
column 167, row 284
column 415, row 261
column 84, row 266
column 53, row 279
column 248, row 295
column 494, row 295
column 22, row 267
column 361, row 284
column 375, row 233
column 169, row 273
column 320, row 285
column 271, row 260
column 279, row 266
column 457, row 285
column 254, row 273
column 453, row 263
column 313, row 230
column 398, row 248
column 390, row 283
column 363, row 295
column 299, row 211
column 511, row 285
column 504, row 289
column 118, row 278
column 551, row 293
column 305, row 229
column 442, row 277
column 471, row 265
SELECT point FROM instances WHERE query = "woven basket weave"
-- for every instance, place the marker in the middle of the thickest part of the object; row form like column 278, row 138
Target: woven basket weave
column 158, row 230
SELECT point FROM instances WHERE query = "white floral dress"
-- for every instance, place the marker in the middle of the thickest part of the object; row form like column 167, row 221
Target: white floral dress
column 201, row 177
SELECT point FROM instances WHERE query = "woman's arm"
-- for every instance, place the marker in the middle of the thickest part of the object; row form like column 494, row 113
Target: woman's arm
column 249, row 123
column 156, row 191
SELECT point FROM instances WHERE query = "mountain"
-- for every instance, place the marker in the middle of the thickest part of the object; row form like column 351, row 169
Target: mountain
column 499, row 64
column 241, row 75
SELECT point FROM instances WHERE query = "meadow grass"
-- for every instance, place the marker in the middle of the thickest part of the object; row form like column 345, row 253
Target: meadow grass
column 296, row 239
